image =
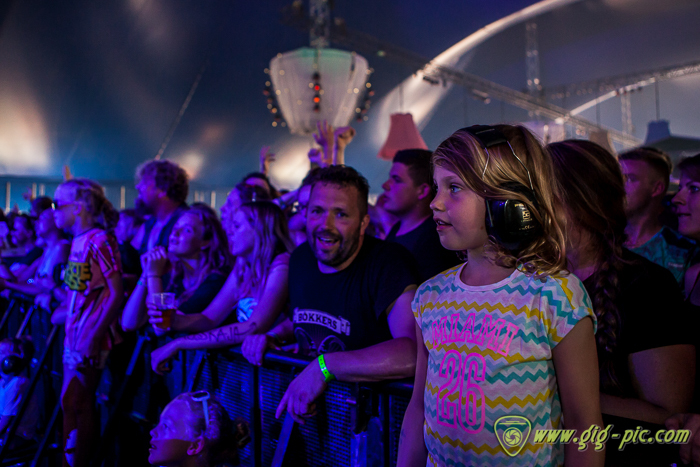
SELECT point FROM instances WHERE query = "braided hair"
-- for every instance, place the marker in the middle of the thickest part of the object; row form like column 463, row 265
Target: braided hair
column 592, row 187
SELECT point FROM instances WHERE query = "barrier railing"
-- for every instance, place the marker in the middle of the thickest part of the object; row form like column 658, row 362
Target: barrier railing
column 21, row 318
column 356, row 424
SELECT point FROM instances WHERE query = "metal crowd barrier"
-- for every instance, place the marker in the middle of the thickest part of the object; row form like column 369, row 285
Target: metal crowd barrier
column 356, row 424
column 22, row 318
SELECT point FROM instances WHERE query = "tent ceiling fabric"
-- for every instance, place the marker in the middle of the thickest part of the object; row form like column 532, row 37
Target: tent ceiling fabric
column 97, row 85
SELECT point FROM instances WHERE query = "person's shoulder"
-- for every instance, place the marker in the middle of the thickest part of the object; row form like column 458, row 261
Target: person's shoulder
column 218, row 276
column 441, row 281
column 302, row 255
column 674, row 238
column 561, row 285
column 377, row 248
column 281, row 260
column 639, row 271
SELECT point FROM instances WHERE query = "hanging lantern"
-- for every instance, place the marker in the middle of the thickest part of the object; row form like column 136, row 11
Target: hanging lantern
column 333, row 93
column 403, row 134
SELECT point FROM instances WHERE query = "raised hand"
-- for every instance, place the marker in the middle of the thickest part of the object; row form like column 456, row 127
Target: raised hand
column 343, row 136
column 156, row 262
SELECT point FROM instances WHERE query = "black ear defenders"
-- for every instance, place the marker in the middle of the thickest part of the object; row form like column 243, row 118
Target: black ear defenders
column 14, row 363
column 508, row 221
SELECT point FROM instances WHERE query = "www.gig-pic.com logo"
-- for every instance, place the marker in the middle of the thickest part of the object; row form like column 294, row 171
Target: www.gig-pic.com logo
column 512, row 432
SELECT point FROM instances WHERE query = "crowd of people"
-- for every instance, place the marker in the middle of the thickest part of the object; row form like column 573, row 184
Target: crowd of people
column 505, row 277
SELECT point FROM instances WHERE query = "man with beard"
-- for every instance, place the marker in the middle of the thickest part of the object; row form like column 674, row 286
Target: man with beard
column 647, row 172
column 162, row 187
column 350, row 296
column 407, row 195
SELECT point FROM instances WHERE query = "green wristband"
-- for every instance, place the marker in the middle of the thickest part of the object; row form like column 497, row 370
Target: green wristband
column 327, row 375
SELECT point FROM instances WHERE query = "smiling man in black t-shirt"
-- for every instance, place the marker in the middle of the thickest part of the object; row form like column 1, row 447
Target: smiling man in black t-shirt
column 350, row 295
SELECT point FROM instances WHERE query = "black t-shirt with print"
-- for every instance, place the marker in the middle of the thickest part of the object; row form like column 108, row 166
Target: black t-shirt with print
column 346, row 310
column 424, row 243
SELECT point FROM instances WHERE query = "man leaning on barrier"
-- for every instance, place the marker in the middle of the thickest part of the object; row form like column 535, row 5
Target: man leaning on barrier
column 350, row 297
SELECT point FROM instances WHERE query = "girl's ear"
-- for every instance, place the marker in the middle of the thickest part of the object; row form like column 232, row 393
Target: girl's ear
column 205, row 244
column 196, row 447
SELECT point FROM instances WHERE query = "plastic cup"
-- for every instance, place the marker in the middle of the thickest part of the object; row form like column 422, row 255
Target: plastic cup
column 165, row 303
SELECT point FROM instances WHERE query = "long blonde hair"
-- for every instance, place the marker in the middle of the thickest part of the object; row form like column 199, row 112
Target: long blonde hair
column 271, row 239
column 463, row 155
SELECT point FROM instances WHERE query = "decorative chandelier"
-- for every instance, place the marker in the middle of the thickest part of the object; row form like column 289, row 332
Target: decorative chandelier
column 316, row 83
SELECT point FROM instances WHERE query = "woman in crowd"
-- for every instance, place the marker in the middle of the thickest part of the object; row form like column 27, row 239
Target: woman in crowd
column 18, row 262
column 194, row 268
column 256, row 289
column 506, row 333
column 195, row 431
column 241, row 193
column 687, row 204
column 43, row 285
column 94, row 281
column 646, row 362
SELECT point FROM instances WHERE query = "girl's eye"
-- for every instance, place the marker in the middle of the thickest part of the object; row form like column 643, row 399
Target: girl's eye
column 693, row 188
column 454, row 188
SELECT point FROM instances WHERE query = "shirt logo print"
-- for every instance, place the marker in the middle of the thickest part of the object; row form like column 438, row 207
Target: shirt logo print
column 77, row 275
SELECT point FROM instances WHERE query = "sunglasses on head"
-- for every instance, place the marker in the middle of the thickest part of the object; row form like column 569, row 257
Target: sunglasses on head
column 203, row 397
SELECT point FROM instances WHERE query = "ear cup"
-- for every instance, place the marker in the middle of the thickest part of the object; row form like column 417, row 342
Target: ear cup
column 510, row 222
column 12, row 365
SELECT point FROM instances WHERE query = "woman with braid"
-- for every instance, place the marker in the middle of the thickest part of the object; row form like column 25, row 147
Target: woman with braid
column 646, row 360
column 95, row 295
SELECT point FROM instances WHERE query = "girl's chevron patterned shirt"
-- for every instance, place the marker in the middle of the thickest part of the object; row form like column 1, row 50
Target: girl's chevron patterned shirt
column 490, row 355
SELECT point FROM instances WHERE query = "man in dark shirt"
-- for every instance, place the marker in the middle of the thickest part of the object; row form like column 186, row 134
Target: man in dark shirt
column 162, row 187
column 350, row 295
column 408, row 193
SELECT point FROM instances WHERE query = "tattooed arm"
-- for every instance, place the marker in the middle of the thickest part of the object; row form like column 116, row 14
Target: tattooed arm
column 226, row 336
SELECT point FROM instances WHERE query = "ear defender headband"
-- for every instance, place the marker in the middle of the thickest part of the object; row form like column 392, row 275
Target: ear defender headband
column 508, row 221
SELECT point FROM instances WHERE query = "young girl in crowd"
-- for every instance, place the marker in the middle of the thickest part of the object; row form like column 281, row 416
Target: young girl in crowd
column 687, row 204
column 505, row 341
column 93, row 279
column 46, row 277
column 256, row 289
column 194, row 268
column 646, row 361
column 195, row 431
